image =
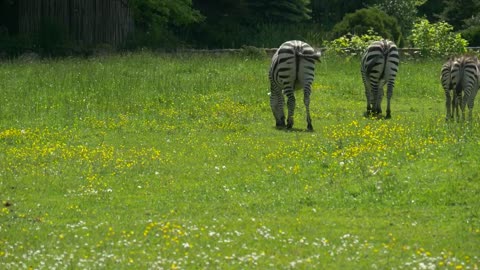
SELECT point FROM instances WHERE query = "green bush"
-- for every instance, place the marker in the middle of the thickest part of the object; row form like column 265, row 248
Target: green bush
column 472, row 35
column 352, row 44
column 363, row 20
column 437, row 39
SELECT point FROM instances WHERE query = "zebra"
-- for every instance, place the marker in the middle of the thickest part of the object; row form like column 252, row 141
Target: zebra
column 447, row 84
column 465, row 82
column 292, row 68
column 379, row 66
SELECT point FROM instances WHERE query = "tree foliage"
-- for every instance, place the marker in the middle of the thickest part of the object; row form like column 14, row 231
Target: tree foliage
column 405, row 11
column 152, row 14
column 156, row 20
column 352, row 44
column 281, row 10
column 437, row 39
column 329, row 12
column 363, row 20
column 457, row 12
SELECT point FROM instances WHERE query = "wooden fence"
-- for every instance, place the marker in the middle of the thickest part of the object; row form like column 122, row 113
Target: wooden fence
column 85, row 22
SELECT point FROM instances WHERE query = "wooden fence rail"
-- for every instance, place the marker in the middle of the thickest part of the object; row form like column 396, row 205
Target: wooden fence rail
column 271, row 51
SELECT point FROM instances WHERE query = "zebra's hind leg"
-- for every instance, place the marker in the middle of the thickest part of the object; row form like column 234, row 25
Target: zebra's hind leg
column 291, row 106
column 368, row 95
column 277, row 103
column 306, row 101
column 470, row 108
column 377, row 102
column 368, row 113
column 389, row 97
column 448, row 105
column 471, row 103
column 458, row 107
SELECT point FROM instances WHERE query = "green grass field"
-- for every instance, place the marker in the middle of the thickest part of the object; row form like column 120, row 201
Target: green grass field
column 148, row 161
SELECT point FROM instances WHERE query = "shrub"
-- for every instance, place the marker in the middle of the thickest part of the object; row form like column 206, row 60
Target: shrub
column 363, row 20
column 472, row 35
column 352, row 44
column 437, row 39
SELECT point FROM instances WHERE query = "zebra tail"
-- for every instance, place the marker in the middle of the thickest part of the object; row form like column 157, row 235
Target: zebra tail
column 459, row 86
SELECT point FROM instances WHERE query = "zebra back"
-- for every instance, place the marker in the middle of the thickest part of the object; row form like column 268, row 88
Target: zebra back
column 465, row 74
column 285, row 61
column 381, row 60
column 446, row 74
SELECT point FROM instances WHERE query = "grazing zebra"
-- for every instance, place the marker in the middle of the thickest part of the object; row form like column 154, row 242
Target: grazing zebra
column 465, row 80
column 293, row 67
column 379, row 66
column 447, row 84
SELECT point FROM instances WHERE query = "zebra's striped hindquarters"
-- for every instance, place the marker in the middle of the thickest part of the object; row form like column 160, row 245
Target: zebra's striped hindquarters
column 379, row 66
column 292, row 68
column 465, row 76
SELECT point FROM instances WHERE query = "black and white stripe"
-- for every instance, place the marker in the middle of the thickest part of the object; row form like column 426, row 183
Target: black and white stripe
column 465, row 82
column 293, row 67
column 379, row 66
column 447, row 84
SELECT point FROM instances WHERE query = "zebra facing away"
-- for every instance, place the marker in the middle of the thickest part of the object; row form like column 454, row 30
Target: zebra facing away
column 465, row 82
column 379, row 66
column 447, row 84
column 292, row 68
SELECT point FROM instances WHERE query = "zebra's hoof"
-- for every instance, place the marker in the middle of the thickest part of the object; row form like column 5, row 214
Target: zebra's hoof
column 309, row 127
column 280, row 124
column 388, row 116
column 290, row 123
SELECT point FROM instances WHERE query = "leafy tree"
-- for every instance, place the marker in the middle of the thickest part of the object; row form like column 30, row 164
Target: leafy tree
column 329, row 12
column 363, row 20
column 281, row 10
column 431, row 10
column 456, row 12
column 156, row 20
column 437, row 39
column 405, row 11
column 151, row 14
column 472, row 33
column 215, row 10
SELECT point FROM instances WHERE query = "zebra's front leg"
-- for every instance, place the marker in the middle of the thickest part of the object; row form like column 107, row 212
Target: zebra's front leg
column 290, row 105
column 389, row 97
column 306, row 101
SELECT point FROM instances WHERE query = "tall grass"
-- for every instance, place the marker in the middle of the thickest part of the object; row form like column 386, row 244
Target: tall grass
column 172, row 161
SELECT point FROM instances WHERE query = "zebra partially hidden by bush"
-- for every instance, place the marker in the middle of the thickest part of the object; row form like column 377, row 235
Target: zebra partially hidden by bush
column 461, row 76
column 292, row 68
column 379, row 66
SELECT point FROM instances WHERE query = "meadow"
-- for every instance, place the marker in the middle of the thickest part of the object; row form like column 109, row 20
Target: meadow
column 155, row 161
